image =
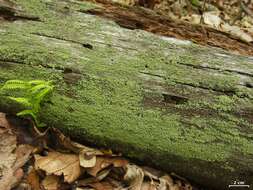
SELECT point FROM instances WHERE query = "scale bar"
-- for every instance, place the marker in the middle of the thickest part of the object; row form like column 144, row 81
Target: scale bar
column 238, row 186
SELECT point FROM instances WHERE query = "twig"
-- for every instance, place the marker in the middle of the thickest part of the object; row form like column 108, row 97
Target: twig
column 202, row 10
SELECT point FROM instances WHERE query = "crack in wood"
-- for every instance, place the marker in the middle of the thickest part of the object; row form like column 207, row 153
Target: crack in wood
column 70, row 75
column 227, row 92
column 11, row 61
column 86, row 45
column 217, row 69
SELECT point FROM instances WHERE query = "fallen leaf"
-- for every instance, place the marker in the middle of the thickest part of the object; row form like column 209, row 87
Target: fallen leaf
column 118, row 184
column 23, row 153
column 11, row 160
column 12, row 175
column 101, row 186
column 4, row 124
column 166, row 182
column 148, row 186
column 151, row 173
column 236, row 31
column 59, row 164
column 84, row 188
column 86, row 181
column 194, row 18
column 103, row 174
column 86, row 160
column 7, row 146
column 73, row 146
column 23, row 186
column 134, row 176
column 188, row 186
column 103, row 162
column 212, row 19
column 33, row 180
column 51, row 182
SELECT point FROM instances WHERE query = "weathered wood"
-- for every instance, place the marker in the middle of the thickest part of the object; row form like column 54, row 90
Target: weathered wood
column 168, row 103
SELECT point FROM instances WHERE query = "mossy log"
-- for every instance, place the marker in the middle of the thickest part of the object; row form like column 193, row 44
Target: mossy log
column 168, row 103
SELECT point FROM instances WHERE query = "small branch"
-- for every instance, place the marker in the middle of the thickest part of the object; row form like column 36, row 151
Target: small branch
column 202, row 12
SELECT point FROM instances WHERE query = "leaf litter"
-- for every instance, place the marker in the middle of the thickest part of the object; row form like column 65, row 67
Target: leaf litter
column 13, row 156
column 55, row 162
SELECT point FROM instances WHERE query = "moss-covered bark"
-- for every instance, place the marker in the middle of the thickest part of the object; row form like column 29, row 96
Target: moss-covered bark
column 178, row 106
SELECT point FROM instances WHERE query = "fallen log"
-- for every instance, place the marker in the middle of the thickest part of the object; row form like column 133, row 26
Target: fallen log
column 167, row 103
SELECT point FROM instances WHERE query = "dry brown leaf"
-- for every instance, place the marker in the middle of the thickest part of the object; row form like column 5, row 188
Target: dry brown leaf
column 148, row 186
column 188, row 186
column 166, row 182
column 4, row 124
column 78, row 148
column 86, row 181
column 100, row 165
column 59, row 164
column 12, row 175
column 134, row 176
column 7, row 146
column 11, row 161
column 73, row 146
column 119, row 162
column 236, row 31
column 51, row 182
column 119, row 185
column 86, row 160
column 33, row 180
column 103, row 174
column 212, row 19
column 23, row 153
column 84, row 188
column 152, row 173
column 102, row 186
column 104, row 162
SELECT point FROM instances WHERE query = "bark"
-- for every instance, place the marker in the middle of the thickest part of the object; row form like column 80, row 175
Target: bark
column 168, row 103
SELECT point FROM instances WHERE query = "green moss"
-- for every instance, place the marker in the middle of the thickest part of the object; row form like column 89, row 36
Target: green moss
column 220, row 104
column 224, row 103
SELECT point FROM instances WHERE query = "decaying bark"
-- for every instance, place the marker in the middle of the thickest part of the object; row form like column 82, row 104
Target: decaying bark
column 167, row 103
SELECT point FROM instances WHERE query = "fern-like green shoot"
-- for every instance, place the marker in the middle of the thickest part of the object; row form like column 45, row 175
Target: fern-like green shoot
column 28, row 94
